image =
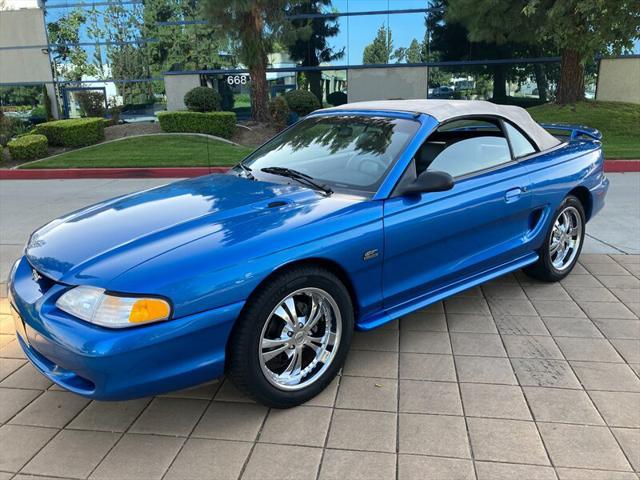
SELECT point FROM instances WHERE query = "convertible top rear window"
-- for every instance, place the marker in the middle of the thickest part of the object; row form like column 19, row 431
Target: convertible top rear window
column 345, row 152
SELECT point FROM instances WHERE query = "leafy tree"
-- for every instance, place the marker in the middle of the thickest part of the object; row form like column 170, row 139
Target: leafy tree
column 580, row 30
column 70, row 59
column 182, row 47
column 252, row 25
column 380, row 50
column 127, row 59
column 411, row 54
column 451, row 40
column 306, row 39
column 414, row 52
column 502, row 26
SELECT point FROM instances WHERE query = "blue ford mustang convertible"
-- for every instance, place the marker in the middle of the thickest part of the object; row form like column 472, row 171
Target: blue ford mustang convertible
column 353, row 217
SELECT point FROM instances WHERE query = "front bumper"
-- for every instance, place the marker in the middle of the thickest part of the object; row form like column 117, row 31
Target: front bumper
column 108, row 364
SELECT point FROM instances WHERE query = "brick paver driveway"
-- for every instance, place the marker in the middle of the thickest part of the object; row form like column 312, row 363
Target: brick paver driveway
column 514, row 379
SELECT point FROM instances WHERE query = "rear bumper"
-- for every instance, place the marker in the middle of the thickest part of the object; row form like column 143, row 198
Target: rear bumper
column 107, row 364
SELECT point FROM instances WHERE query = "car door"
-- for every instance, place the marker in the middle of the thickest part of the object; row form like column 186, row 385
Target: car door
column 433, row 240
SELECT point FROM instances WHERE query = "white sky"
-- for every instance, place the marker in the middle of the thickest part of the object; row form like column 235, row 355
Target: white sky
column 17, row 4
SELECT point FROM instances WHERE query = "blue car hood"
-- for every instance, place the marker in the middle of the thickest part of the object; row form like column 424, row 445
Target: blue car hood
column 98, row 243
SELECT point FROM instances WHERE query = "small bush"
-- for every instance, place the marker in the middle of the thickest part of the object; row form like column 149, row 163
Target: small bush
column 202, row 99
column 280, row 112
column 91, row 103
column 1, row 157
column 302, row 102
column 28, row 147
column 5, row 129
column 221, row 124
column 75, row 132
column 337, row 98
column 114, row 114
column 227, row 99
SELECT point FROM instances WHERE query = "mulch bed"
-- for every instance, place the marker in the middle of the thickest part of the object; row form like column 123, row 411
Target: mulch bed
column 130, row 129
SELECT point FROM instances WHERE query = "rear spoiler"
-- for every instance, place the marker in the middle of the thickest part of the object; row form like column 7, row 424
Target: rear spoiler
column 574, row 132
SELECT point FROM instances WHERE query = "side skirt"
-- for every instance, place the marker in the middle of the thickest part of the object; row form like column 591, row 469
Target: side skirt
column 379, row 318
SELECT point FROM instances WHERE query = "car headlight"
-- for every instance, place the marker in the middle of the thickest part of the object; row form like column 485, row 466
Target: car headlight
column 93, row 305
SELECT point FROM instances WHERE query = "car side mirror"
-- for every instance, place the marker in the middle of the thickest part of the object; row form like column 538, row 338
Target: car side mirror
column 430, row 181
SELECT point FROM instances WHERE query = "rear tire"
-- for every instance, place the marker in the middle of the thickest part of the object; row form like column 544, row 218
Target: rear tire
column 292, row 337
column 563, row 243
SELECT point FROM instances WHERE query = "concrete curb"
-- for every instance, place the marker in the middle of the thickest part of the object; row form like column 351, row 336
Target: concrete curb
column 610, row 166
column 620, row 166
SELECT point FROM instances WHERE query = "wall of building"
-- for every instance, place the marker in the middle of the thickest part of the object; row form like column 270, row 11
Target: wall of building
column 176, row 86
column 619, row 80
column 31, row 65
column 387, row 83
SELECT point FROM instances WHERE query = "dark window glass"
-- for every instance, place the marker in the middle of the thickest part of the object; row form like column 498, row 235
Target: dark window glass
column 346, row 151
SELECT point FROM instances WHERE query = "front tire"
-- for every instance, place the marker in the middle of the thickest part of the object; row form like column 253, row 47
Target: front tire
column 563, row 243
column 292, row 337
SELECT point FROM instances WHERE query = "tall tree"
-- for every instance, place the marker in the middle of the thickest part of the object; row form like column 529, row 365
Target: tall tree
column 70, row 59
column 414, row 52
column 498, row 24
column 580, row 30
column 252, row 25
column 188, row 46
column 306, row 39
column 410, row 54
column 380, row 50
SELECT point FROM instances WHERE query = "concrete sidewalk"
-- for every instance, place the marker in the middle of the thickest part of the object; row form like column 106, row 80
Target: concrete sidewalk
column 514, row 379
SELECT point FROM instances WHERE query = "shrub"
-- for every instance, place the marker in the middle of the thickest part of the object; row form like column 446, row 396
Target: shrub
column 46, row 101
column 202, row 99
column 5, row 129
column 1, row 158
column 91, row 103
column 114, row 114
column 280, row 112
column 222, row 124
column 75, row 132
column 227, row 99
column 302, row 102
column 337, row 98
column 28, row 147
column 11, row 127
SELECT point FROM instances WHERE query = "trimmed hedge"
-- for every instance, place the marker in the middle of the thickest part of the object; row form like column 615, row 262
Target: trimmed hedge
column 202, row 99
column 75, row 132
column 28, row 147
column 221, row 124
column 303, row 102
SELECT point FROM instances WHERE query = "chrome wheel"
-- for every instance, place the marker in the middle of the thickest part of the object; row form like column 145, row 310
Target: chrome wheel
column 300, row 339
column 565, row 238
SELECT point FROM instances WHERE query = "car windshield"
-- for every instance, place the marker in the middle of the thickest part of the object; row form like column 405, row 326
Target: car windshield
column 345, row 152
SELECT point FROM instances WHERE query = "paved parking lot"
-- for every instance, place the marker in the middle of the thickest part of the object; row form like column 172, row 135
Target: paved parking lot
column 513, row 379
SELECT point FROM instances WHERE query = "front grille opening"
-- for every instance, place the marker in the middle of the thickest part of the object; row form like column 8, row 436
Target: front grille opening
column 61, row 376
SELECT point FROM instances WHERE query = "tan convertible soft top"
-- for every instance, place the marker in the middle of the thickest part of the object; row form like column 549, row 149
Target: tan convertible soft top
column 443, row 110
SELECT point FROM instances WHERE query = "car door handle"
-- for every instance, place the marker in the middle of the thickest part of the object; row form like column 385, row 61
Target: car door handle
column 513, row 195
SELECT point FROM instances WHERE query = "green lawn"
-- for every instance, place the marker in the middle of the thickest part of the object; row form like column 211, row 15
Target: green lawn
column 618, row 122
column 153, row 151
